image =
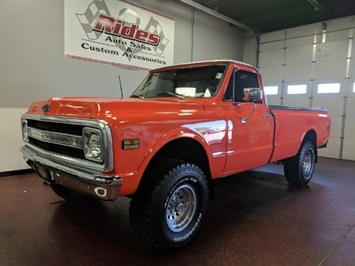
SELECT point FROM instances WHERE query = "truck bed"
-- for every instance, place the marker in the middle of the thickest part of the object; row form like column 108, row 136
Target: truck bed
column 293, row 123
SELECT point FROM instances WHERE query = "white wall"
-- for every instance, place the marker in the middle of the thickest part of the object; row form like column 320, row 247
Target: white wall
column 33, row 67
column 250, row 49
column 11, row 141
column 299, row 56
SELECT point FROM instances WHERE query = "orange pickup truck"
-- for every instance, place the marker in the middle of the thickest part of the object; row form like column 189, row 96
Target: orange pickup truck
column 184, row 126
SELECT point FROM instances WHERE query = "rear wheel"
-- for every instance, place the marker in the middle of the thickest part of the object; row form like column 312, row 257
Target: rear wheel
column 168, row 213
column 299, row 169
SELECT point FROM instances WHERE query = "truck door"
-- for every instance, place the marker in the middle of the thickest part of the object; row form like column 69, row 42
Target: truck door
column 250, row 125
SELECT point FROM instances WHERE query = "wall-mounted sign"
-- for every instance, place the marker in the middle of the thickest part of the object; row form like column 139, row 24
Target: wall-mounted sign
column 118, row 33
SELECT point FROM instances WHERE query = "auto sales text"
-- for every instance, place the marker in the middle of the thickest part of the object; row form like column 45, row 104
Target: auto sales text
column 116, row 27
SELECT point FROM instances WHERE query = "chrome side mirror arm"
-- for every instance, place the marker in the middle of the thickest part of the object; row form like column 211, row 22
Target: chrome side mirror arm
column 244, row 120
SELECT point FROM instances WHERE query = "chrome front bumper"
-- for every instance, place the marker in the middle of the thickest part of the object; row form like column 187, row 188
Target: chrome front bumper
column 90, row 183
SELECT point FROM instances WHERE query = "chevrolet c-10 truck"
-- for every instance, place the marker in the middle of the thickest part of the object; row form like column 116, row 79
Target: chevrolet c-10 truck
column 184, row 126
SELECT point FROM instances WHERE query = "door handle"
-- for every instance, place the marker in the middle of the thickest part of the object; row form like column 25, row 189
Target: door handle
column 267, row 115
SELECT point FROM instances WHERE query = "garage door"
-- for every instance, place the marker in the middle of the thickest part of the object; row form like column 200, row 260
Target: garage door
column 313, row 66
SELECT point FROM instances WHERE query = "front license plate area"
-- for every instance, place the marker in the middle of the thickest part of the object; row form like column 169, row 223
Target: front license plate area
column 43, row 172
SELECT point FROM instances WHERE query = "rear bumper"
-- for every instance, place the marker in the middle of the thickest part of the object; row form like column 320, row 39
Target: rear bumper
column 89, row 183
column 323, row 146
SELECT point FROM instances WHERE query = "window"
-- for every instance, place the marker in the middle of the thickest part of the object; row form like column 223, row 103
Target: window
column 242, row 80
column 329, row 88
column 185, row 82
column 297, row 89
column 354, row 87
column 271, row 90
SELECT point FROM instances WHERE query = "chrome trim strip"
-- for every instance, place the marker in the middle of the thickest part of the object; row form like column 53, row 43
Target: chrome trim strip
column 99, row 124
column 56, row 138
column 60, row 159
column 91, row 177
column 66, row 120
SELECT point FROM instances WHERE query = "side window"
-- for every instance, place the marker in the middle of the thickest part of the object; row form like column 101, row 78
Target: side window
column 238, row 82
column 244, row 79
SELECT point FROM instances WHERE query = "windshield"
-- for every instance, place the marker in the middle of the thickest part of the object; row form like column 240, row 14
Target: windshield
column 182, row 83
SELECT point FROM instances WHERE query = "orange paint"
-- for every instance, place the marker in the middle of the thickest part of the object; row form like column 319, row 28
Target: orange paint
column 215, row 125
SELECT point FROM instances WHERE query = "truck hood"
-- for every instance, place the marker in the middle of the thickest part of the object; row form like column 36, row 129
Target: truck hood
column 97, row 108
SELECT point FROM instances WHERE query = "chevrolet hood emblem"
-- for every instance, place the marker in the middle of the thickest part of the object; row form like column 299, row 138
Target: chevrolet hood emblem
column 46, row 108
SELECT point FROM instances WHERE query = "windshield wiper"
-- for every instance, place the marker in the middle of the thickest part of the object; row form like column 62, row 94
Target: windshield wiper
column 171, row 93
column 137, row 96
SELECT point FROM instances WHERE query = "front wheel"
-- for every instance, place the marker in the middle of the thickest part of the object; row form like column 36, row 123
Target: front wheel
column 299, row 169
column 168, row 213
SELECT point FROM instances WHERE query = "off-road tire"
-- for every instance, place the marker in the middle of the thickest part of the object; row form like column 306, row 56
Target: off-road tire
column 167, row 213
column 299, row 169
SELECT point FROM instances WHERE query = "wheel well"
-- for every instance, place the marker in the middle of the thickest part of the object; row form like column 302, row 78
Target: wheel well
column 312, row 136
column 184, row 149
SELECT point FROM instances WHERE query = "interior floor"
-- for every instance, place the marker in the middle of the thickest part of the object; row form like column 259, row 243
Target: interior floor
column 256, row 219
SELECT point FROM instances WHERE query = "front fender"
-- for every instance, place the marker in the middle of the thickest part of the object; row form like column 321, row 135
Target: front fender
column 153, row 136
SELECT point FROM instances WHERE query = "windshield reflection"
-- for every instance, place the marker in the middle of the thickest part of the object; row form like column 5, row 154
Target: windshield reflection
column 197, row 82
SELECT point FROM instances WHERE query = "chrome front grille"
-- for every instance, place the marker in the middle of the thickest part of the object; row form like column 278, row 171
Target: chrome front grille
column 61, row 139
column 58, row 148
column 41, row 134
column 56, row 127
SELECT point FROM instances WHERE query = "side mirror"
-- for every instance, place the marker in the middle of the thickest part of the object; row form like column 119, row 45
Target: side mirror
column 252, row 95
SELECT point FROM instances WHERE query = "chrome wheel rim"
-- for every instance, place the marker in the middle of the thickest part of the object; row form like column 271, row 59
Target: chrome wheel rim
column 308, row 164
column 181, row 208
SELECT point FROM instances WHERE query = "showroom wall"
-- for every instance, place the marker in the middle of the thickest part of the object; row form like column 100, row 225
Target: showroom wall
column 311, row 66
column 33, row 67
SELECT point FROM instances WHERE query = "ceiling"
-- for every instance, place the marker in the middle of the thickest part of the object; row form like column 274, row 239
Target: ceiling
column 271, row 15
